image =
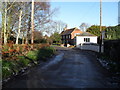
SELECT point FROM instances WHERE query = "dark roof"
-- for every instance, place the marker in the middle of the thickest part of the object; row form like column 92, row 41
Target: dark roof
column 86, row 34
column 68, row 31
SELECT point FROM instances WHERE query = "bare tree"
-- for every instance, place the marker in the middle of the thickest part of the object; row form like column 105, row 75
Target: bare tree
column 54, row 26
column 6, row 7
column 58, row 26
column 83, row 27
column 18, row 19
column 43, row 15
column 22, row 20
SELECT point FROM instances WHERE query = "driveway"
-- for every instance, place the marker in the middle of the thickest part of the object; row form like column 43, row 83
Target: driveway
column 71, row 68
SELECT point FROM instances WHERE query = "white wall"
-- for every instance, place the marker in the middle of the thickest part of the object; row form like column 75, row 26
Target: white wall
column 90, row 47
column 80, row 39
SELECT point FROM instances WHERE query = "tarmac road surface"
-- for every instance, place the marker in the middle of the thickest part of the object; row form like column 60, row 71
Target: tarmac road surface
column 69, row 69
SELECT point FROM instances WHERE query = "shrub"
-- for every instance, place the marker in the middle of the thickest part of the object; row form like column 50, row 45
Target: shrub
column 42, row 53
column 23, row 61
column 32, row 55
column 45, row 52
column 6, row 70
column 114, row 67
column 16, row 61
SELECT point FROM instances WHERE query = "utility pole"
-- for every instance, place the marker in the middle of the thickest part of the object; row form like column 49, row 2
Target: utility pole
column 100, row 26
column 32, row 23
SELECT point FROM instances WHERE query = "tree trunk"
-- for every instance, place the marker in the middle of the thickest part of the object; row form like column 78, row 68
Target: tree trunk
column 23, row 39
column 19, row 27
column 32, row 23
column 26, row 40
column 4, row 31
column 29, row 29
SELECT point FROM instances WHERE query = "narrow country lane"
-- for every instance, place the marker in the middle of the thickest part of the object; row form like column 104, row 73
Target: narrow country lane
column 70, row 69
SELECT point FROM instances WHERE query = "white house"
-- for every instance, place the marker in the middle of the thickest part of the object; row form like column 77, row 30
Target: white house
column 85, row 37
column 87, row 41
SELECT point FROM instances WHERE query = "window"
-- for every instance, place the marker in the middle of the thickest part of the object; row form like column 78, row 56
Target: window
column 66, row 36
column 86, row 39
column 62, row 37
column 69, row 36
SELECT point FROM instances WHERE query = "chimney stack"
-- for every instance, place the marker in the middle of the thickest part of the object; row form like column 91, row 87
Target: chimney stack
column 65, row 28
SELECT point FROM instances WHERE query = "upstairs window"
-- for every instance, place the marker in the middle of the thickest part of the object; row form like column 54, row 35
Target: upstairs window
column 66, row 36
column 69, row 36
column 62, row 37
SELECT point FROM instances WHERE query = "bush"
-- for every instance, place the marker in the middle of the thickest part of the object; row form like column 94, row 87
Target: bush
column 15, row 63
column 23, row 61
column 45, row 52
column 13, row 67
column 6, row 68
column 114, row 67
column 112, row 49
column 32, row 55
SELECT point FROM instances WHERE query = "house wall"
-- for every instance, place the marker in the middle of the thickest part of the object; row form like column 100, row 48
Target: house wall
column 92, row 45
column 66, row 39
column 69, row 38
column 80, row 39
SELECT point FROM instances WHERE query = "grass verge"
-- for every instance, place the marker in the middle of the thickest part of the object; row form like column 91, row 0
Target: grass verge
column 14, row 67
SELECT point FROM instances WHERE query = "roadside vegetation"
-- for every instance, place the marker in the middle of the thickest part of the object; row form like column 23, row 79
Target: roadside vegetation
column 26, row 33
column 110, row 58
column 95, row 29
column 15, row 61
column 110, row 64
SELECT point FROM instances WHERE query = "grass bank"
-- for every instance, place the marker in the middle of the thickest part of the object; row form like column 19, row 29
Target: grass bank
column 13, row 67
